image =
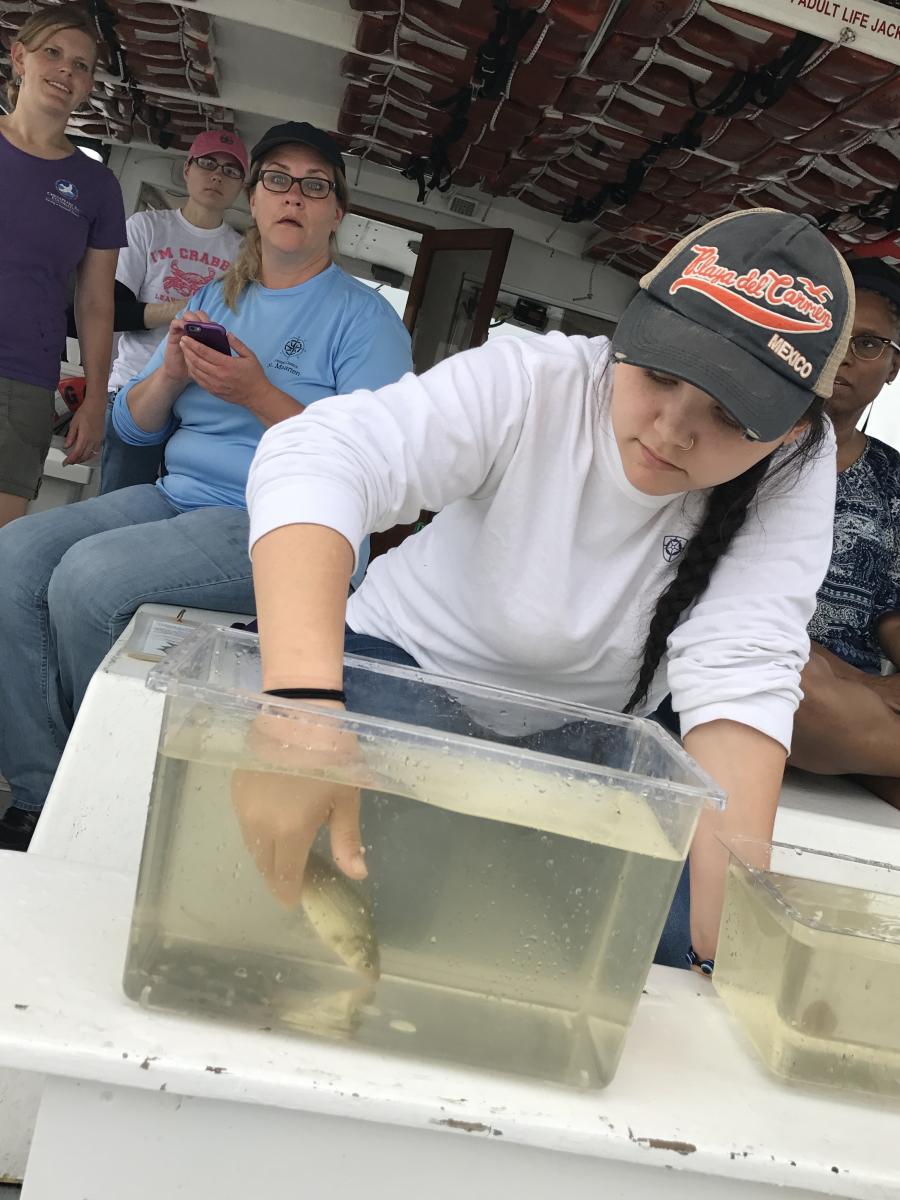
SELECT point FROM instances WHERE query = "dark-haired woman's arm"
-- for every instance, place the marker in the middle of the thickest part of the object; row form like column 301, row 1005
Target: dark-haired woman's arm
column 318, row 486
column 735, row 667
column 749, row 766
column 302, row 575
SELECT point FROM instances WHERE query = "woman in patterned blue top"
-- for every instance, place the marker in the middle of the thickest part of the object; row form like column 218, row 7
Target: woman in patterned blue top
column 849, row 721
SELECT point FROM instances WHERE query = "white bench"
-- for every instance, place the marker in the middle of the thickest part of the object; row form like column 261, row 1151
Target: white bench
column 830, row 813
column 286, row 1109
column 65, row 485
column 94, row 816
column 142, row 1104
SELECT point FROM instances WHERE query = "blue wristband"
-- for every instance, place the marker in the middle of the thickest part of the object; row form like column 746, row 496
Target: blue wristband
column 706, row 965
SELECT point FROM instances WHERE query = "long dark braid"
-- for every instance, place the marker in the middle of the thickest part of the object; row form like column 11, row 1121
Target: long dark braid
column 726, row 511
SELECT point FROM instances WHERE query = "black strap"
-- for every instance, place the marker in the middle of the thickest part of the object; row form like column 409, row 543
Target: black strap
column 128, row 311
column 416, row 169
column 761, row 87
column 620, row 193
column 308, row 693
column 494, row 63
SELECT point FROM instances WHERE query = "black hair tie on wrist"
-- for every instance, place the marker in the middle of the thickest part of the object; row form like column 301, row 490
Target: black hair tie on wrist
column 308, row 694
column 706, row 965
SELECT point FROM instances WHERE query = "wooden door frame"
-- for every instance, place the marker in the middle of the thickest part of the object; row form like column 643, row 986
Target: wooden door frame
column 497, row 241
column 383, row 218
column 493, row 238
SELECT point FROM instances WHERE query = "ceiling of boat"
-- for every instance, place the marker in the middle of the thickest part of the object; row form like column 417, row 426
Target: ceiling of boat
column 624, row 122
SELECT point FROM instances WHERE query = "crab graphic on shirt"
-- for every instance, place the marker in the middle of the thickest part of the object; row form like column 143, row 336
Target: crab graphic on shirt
column 185, row 283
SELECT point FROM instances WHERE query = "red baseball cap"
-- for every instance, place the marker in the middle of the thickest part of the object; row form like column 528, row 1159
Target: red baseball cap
column 219, row 141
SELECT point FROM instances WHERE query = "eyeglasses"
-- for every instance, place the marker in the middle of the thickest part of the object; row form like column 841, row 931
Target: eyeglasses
column 313, row 187
column 229, row 170
column 868, row 346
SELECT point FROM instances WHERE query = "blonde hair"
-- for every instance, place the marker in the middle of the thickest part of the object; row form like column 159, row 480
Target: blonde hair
column 40, row 27
column 247, row 267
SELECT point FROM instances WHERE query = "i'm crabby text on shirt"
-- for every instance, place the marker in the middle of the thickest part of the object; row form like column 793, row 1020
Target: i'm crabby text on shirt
column 166, row 259
column 181, row 278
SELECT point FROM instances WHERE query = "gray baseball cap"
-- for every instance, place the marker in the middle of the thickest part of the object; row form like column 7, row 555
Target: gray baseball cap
column 754, row 308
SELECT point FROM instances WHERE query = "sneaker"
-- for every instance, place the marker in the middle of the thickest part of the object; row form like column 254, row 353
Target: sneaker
column 16, row 827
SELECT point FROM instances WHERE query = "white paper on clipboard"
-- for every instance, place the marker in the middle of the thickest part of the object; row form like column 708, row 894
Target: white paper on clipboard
column 154, row 636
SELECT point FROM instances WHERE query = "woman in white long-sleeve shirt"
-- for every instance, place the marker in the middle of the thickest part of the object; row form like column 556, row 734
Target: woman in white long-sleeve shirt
column 615, row 521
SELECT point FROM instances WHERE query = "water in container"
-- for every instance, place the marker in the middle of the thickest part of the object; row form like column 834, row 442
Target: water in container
column 809, row 963
column 521, row 857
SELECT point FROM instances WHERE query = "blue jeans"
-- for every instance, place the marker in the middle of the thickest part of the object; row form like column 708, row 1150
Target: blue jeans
column 71, row 579
column 676, row 934
column 123, row 465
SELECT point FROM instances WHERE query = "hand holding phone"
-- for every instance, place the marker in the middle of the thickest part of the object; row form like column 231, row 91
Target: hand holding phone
column 232, row 372
column 174, row 365
column 210, row 334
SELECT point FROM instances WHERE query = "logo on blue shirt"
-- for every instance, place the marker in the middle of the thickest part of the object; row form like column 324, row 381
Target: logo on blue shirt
column 294, row 346
column 67, row 189
column 672, row 546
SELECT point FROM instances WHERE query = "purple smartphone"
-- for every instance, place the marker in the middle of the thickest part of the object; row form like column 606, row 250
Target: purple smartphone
column 210, row 334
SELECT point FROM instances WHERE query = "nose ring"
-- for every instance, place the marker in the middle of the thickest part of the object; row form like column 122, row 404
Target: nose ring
column 689, row 446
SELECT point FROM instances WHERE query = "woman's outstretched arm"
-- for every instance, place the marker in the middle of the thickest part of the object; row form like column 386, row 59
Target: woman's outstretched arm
column 749, row 766
column 301, row 574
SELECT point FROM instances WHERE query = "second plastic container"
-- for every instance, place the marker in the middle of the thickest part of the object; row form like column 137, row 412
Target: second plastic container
column 522, row 857
column 809, row 963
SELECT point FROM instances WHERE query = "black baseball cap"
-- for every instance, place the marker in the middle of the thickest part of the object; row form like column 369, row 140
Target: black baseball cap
column 754, row 308
column 875, row 275
column 299, row 133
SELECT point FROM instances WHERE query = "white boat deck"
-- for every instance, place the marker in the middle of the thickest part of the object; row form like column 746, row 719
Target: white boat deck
column 689, row 1100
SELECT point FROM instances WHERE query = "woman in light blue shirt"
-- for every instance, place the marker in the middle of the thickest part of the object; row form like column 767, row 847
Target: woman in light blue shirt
column 71, row 578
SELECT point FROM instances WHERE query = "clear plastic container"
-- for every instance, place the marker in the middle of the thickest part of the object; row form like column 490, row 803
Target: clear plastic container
column 522, row 857
column 808, row 961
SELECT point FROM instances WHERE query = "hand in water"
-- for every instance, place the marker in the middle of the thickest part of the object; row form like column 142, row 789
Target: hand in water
column 280, row 813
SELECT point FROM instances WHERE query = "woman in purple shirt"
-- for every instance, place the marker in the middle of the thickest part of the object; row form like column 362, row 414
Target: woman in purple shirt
column 61, row 214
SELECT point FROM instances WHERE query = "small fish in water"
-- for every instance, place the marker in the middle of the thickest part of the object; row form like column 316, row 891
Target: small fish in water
column 340, row 915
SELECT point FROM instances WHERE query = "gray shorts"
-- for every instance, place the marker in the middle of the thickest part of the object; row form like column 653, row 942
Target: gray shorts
column 26, row 424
